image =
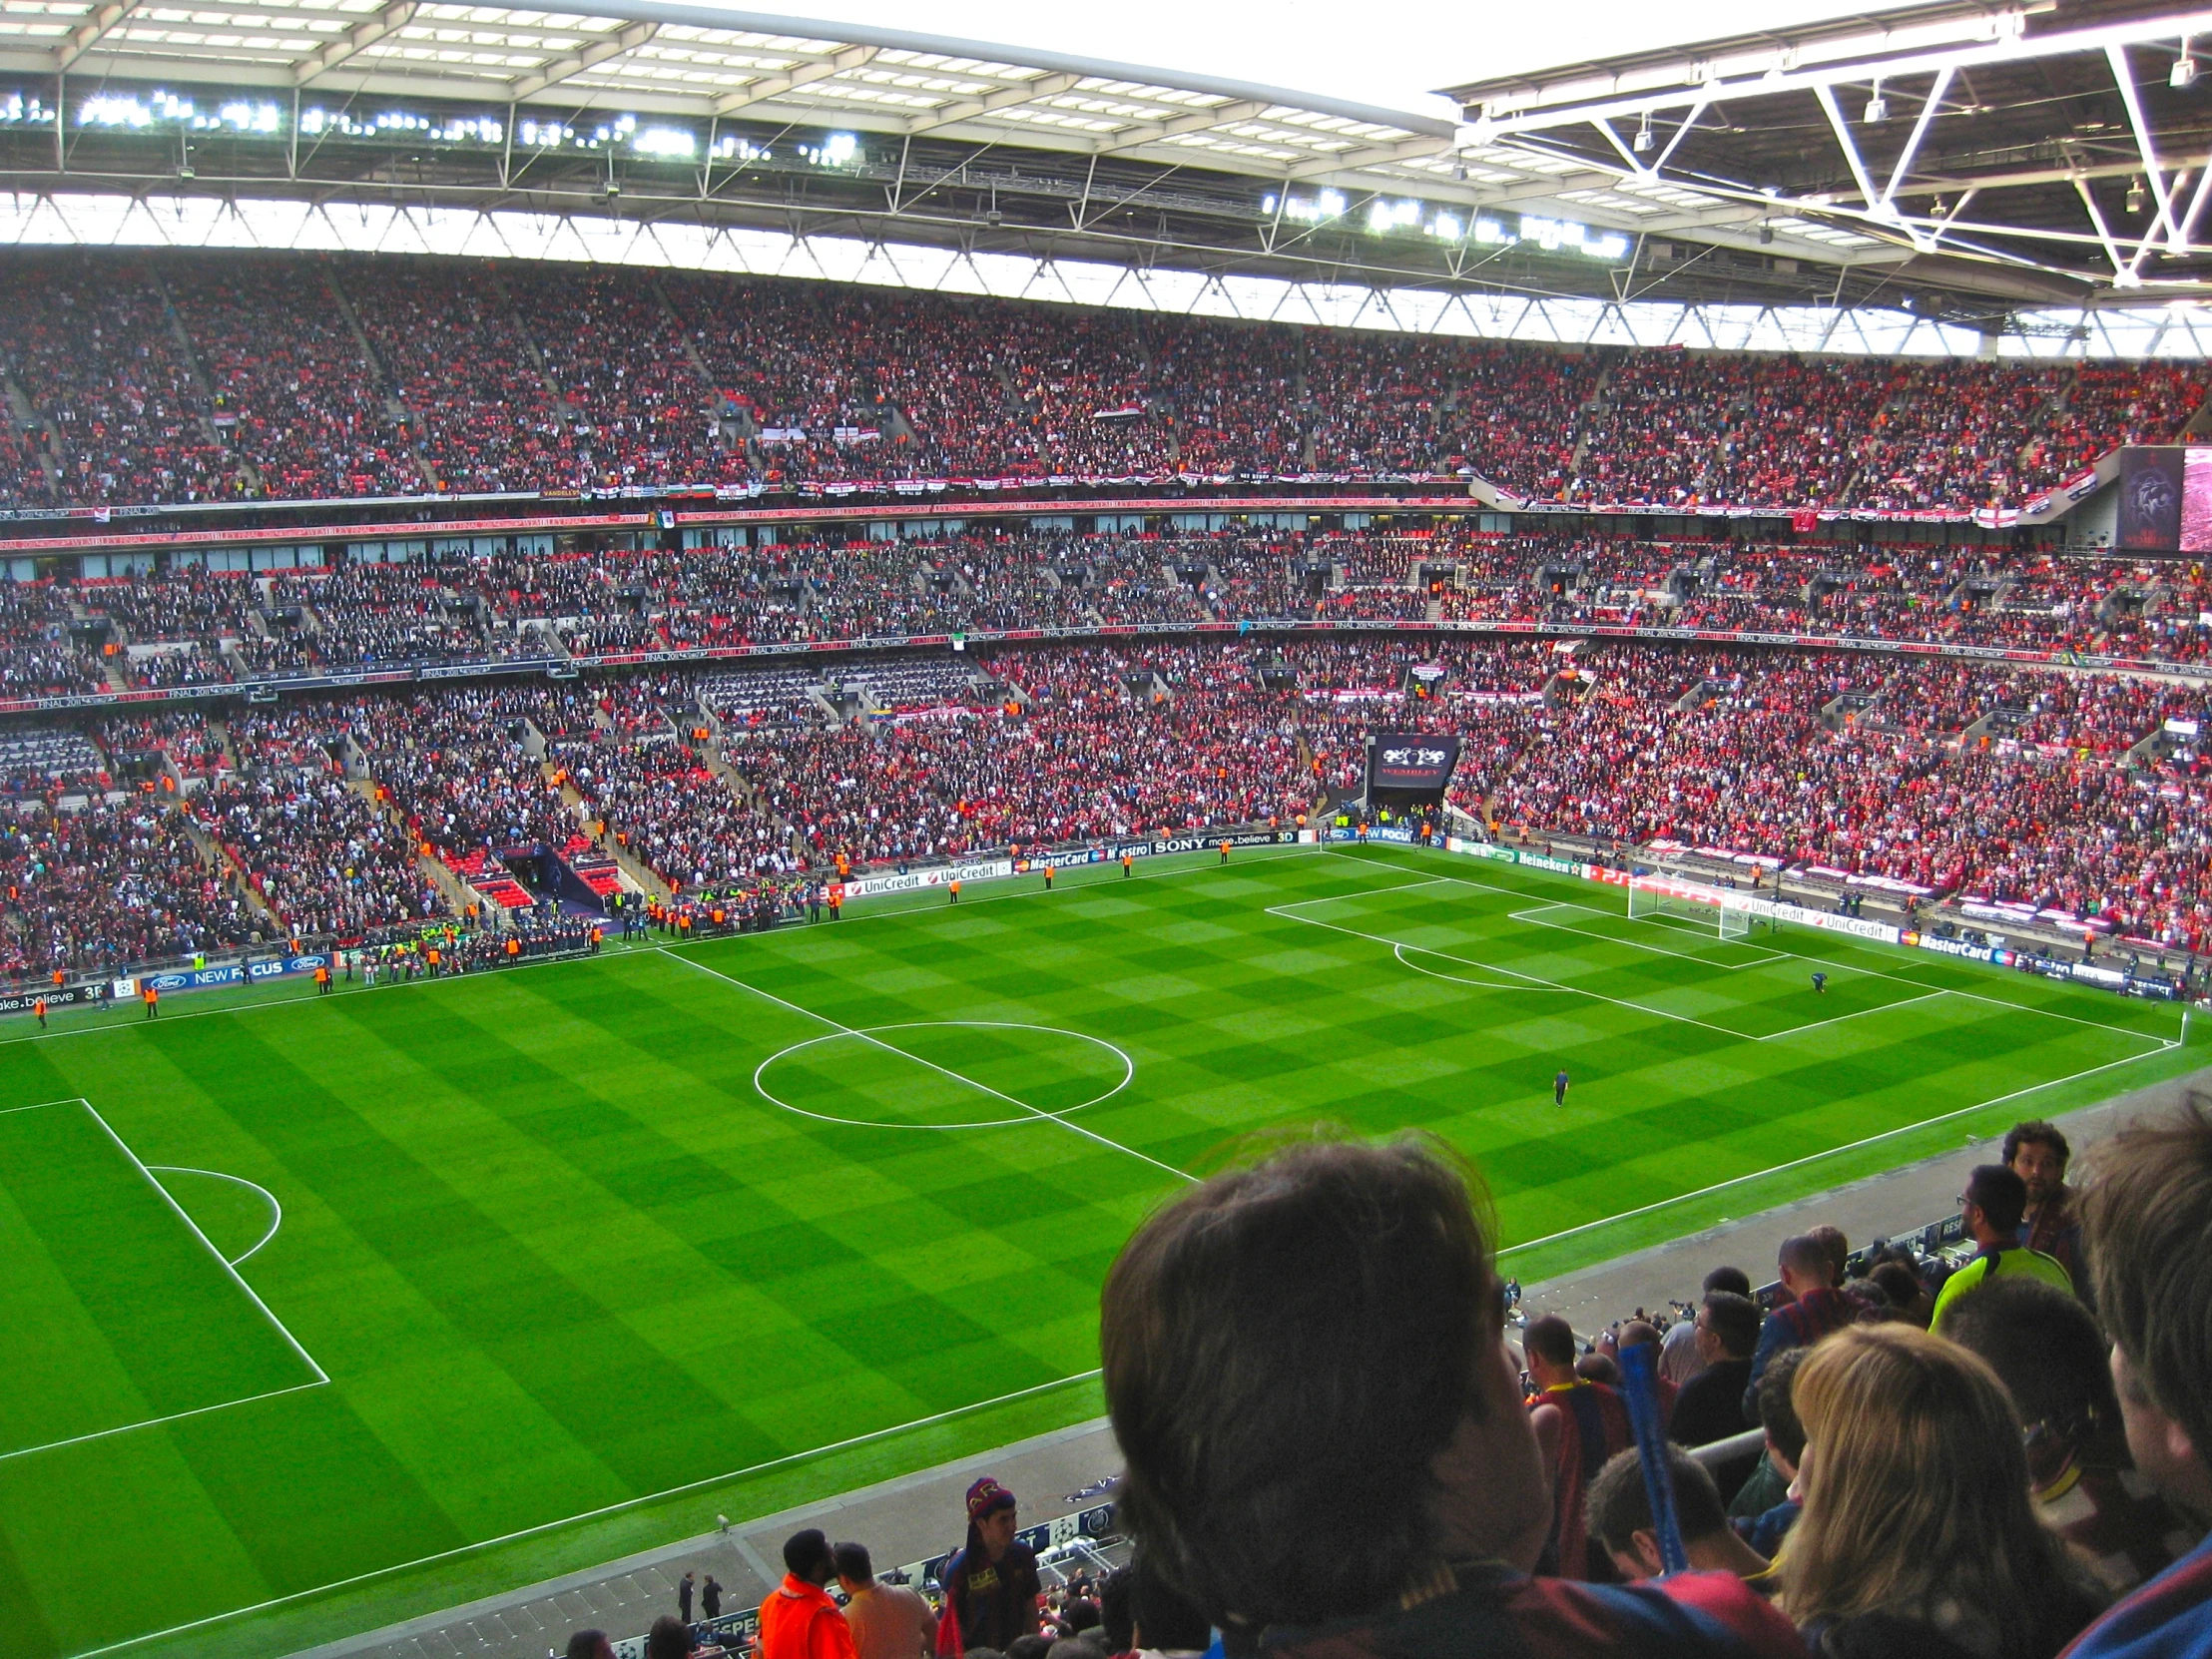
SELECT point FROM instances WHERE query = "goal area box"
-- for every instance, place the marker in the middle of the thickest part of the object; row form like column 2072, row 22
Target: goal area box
column 1725, row 914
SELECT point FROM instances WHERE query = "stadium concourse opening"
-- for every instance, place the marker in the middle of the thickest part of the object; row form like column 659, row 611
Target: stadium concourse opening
column 701, row 722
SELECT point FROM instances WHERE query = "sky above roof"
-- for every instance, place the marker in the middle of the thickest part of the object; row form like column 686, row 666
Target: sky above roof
column 1389, row 52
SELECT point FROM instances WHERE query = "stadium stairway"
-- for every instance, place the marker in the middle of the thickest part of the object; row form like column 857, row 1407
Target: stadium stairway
column 917, row 1516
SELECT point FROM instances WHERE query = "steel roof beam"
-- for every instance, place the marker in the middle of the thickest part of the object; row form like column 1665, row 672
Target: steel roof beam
column 1198, row 121
column 526, row 87
column 792, row 79
column 967, row 109
column 1929, row 108
column 365, row 33
column 90, row 32
column 1378, row 155
column 1500, row 117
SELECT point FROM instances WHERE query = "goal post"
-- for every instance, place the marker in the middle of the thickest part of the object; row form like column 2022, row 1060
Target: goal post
column 1728, row 915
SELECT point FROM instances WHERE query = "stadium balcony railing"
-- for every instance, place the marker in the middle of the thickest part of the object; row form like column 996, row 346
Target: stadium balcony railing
column 441, row 669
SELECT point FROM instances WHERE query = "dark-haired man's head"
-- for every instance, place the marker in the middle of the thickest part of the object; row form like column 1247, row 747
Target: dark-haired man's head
column 1804, row 1264
column 1550, row 1348
column 2037, row 1153
column 670, row 1638
column 2147, row 1231
column 1732, row 1279
column 1618, row 1506
column 2044, row 1346
column 1728, row 1326
column 1305, row 1364
column 1993, row 1204
column 1903, row 1286
column 855, row 1568
column 1785, row 1434
column 809, row 1558
column 1598, row 1368
column 590, row 1644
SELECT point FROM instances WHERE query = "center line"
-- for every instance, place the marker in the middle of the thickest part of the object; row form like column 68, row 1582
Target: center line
column 894, row 1048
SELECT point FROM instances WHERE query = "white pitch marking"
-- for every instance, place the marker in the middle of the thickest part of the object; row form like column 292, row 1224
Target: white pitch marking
column 1879, row 1008
column 1532, row 919
column 156, row 1422
column 544, row 1527
column 1286, row 908
column 276, row 1210
column 322, row 1378
column 1128, row 1072
column 984, row 1088
column 1686, row 1020
column 1849, row 1146
column 1850, row 944
column 1399, row 952
column 167, row 1198
column 1531, row 978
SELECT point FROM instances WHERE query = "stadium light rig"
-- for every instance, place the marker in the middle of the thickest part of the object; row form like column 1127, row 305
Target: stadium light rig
column 167, row 109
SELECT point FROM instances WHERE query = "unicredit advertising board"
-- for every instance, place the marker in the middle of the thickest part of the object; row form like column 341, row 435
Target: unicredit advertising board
column 1411, row 763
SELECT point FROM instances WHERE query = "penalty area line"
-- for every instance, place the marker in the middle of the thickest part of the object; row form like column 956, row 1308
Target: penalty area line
column 1035, row 1112
column 156, row 1422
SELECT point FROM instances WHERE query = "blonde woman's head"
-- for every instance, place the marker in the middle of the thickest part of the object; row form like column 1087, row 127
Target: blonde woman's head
column 1916, row 1494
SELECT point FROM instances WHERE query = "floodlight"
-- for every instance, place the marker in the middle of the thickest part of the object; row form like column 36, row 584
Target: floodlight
column 2183, row 74
column 1877, row 106
column 1766, row 231
column 2136, row 195
column 1643, row 135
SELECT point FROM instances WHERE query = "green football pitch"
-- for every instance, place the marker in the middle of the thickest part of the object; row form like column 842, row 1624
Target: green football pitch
column 322, row 1312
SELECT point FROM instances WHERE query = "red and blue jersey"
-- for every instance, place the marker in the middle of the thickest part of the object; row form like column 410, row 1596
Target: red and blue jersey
column 1492, row 1612
column 2168, row 1618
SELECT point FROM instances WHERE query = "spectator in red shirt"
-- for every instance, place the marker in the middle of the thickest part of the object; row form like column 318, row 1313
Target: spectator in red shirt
column 799, row 1620
column 1579, row 1424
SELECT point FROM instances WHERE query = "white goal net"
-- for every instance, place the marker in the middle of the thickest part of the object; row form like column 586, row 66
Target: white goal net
column 1727, row 914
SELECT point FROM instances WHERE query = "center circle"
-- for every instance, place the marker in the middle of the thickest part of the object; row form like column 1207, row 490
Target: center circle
column 1003, row 1078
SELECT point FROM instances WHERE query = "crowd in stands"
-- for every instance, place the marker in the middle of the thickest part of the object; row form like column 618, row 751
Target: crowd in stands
column 188, row 626
column 189, row 376
column 1994, row 1452
column 1991, row 1454
column 2079, row 798
column 105, row 885
column 288, row 390
column 1101, row 743
column 326, row 858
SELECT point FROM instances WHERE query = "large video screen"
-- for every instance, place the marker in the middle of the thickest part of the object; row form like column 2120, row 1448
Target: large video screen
column 2166, row 500
column 1413, row 763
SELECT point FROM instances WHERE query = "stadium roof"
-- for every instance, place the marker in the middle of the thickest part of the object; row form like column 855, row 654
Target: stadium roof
column 2060, row 142
column 1758, row 186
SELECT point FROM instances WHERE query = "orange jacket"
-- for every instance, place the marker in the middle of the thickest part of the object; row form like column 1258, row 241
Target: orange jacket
column 799, row 1622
